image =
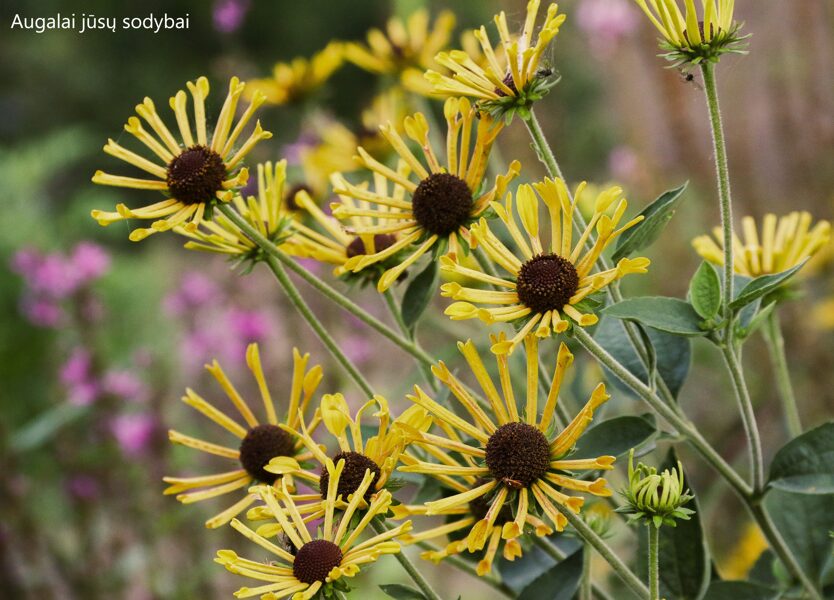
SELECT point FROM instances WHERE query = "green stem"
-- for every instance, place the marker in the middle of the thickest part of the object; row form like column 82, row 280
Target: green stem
column 557, row 555
column 776, row 347
column 748, row 416
column 654, row 562
column 323, row 288
column 724, row 195
column 407, row 565
column 322, row 333
column 585, row 586
column 590, row 536
column 469, row 569
column 696, row 440
column 396, row 313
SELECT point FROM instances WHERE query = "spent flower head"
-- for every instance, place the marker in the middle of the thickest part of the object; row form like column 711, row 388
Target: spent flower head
column 654, row 497
column 689, row 38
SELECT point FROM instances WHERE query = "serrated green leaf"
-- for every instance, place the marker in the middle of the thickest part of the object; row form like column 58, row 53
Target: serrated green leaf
column 558, row 583
column 805, row 465
column 419, row 294
column 671, row 315
column 761, row 286
column 655, row 217
column 615, row 437
column 399, row 591
column 705, row 291
column 740, row 590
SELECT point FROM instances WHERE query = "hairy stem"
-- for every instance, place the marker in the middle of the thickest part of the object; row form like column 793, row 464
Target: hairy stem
column 324, row 289
column 604, row 550
column 301, row 306
column 585, row 585
column 776, row 348
column 654, row 562
column 417, row 577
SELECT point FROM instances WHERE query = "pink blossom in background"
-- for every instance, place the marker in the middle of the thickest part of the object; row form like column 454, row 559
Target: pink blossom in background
column 133, row 432
column 82, row 487
column 228, row 15
column 195, row 290
column 295, row 150
column 607, row 23
column 89, row 261
column 42, row 312
column 623, row 163
column 77, row 376
column 249, row 325
column 358, row 348
column 125, row 385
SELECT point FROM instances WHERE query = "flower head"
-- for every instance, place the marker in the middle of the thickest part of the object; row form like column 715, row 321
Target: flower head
column 377, row 454
column 258, row 441
column 656, row 498
column 503, row 87
column 692, row 38
column 548, row 283
column 507, row 472
column 781, row 244
column 405, row 44
column 307, row 563
column 439, row 207
column 267, row 212
column 195, row 173
column 295, row 81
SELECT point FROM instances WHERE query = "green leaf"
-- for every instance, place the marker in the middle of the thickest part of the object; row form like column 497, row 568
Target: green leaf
column 684, row 554
column 45, row 426
column 804, row 521
column 740, row 590
column 671, row 315
column 419, row 293
column 655, row 217
column 674, row 355
column 805, row 465
column 558, row 583
column 401, row 592
column 762, row 286
column 705, row 291
column 616, row 436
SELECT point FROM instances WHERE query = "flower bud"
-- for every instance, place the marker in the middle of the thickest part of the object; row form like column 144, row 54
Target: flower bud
column 653, row 497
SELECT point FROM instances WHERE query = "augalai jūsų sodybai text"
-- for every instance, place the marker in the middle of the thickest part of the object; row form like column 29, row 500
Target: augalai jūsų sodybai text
column 90, row 22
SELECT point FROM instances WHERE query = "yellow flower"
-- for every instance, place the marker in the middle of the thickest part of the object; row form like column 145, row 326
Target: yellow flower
column 337, row 146
column 523, row 83
column 258, row 441
column 544, row 287
column 784, row 243
column 444, row 200
column 507, row 471
column 744, row 554
column 405, row 44
column 335, row 245
column 294, row 81
column 195, row 173
column 267, row 213
column 301, row 570
column 690, row 37
column 378, row 454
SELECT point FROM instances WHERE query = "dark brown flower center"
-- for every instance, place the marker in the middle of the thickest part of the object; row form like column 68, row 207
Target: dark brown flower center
column 517, row 454
column 442, row 203
column 546, row 282
column 314, row 561
column 196, row 175
column 510, row 83
column 381, row 242
column 352, row 475
column 261, row 445
column 289, row 197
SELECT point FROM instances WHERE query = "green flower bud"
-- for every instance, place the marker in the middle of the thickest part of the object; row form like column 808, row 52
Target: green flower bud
column 656, row 498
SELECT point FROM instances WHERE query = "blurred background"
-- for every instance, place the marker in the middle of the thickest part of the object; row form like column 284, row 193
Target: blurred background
column 100, row 336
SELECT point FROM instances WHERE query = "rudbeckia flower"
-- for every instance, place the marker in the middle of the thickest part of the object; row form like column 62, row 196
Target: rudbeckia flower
column 297, row 80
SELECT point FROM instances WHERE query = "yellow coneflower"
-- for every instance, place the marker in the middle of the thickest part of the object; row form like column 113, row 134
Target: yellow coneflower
column 744, row 553
column 259, row 441
column 378, row 454
column 267, row 213
column 442, row 203
column 783, row 243
column 409, row 43
column 337, row 144
column 195, row 173
column 690, row 37
column 507, row 472
column 544, row 287
column 335, row 246
column 298, row 79
column 517, row 81
column 309, row 564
